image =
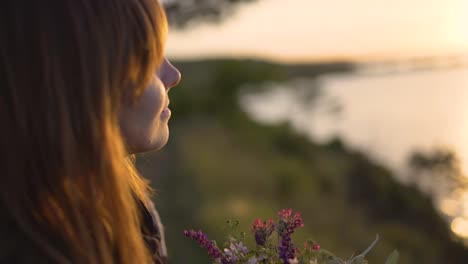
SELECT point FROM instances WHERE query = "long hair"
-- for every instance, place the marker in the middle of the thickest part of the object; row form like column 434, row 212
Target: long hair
column 66, row 67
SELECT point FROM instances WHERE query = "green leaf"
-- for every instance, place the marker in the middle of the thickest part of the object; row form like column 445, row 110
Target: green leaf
column 393, row 258
column 359, row 259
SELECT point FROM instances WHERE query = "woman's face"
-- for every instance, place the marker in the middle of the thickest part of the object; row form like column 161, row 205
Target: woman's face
column 144, row 125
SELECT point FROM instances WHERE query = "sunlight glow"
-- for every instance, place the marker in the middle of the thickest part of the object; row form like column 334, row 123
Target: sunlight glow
column 464, row 204
column 311, row 29
column 450, row 207
column 456, row 21
column 239, row 207
column 463, row 153
column 460, row 227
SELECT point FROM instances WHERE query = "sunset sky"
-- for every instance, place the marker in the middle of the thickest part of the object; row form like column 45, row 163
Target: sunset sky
column 304, row 30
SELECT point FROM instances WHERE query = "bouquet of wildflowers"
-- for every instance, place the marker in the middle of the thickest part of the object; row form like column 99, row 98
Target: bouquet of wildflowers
column 275, row 251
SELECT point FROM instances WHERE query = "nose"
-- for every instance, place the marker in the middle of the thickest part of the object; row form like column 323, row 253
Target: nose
column 170, row 75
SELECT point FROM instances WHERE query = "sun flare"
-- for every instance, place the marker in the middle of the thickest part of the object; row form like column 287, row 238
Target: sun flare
column 460, row 227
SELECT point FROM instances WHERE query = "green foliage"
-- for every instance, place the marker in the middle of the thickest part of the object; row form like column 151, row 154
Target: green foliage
column 182, row 13
column 393, row 258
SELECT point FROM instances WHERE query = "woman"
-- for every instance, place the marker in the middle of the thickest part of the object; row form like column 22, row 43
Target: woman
column 78, row 96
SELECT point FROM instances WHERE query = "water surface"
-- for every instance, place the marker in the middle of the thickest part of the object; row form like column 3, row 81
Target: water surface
column 388, row 116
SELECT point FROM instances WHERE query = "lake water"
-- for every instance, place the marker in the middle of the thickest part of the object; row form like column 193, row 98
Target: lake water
column 387, row 115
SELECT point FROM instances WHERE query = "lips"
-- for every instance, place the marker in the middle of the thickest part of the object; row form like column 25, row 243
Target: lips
column 168, row 102
column 166, row 114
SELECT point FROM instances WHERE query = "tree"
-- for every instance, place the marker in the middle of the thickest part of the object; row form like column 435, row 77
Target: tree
column 181, row 12
column 437, row 172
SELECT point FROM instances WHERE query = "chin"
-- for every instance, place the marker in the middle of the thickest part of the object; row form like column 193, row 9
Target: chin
column 161, row 143
column 160, row 140
column 155, row 144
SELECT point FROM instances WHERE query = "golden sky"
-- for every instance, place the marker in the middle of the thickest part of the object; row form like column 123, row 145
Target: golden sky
column 302, row 30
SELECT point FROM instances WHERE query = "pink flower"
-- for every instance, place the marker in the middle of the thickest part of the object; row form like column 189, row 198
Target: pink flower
column 288, row 223
column 287, row 217
column 262, row 230
column 316, row 247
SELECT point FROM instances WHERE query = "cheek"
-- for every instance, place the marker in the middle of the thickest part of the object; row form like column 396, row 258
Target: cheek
column 141, row 122
column 150, row 104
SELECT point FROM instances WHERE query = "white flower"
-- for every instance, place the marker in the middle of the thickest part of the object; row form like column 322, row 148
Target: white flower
column 294, row 261
column 236, row 251
column 252, row 260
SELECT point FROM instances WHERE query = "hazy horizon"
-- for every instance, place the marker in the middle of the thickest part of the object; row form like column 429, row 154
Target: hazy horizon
column 311, row 30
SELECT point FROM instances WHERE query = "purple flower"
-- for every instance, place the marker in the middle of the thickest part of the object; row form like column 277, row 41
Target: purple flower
column 236, row 251
column 261, row 258
column 209, row 245
column 288, row 223
column 262, row 230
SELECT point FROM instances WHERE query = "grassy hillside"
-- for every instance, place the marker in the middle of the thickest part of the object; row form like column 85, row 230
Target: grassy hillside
column 220, row 164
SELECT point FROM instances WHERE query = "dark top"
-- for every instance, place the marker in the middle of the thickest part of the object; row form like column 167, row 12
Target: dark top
column 16, row 247
column 153, row 232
